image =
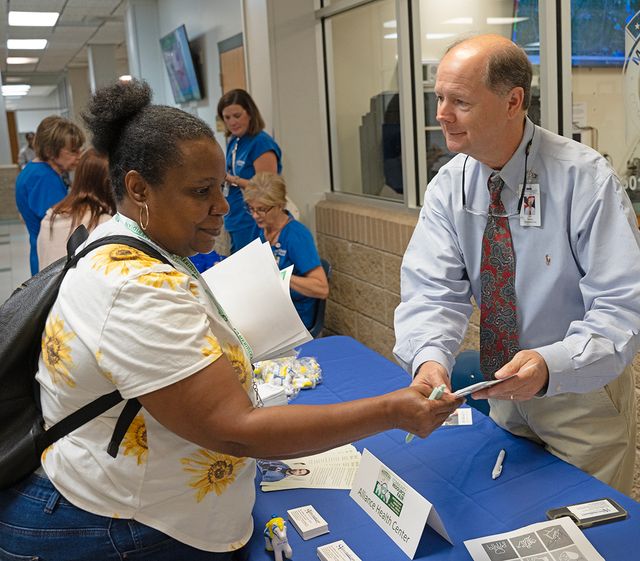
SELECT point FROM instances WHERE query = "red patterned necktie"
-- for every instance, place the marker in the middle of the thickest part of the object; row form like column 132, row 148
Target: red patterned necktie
column 498, row 319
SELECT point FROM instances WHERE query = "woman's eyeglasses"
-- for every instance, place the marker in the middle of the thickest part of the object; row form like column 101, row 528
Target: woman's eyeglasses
column 258, row 211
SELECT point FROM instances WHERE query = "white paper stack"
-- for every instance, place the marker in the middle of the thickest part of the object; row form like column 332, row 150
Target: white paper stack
column 255, row 296
column 307, row 522
column 334, row 469
column 336, row 551
column 272, row 394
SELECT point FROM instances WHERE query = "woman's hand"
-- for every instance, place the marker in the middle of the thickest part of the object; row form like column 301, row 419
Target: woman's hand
column 419, row 415
column 232, row 179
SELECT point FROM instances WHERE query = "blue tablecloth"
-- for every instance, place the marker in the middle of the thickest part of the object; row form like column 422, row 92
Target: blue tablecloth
column 451, row 468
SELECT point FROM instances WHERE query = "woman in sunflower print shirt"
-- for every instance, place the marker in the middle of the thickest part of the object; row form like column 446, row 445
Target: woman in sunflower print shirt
column 182, row 484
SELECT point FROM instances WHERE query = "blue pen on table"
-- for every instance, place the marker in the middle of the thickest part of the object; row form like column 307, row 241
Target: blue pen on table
column 436, row 393
column 497, row 468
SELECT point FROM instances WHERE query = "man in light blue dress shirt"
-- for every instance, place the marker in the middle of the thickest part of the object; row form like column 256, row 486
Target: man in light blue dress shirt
column 577, row 266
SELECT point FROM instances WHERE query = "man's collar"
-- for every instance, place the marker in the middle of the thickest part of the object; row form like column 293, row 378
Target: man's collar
column 513, row 171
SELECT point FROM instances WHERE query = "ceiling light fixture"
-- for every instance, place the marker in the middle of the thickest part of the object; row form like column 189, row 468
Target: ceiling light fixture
column 436, row 36
column 504, row 21
column 125, row 78
column 22, row 60
column 16, row 89
column 33, row 19
column 459, row 21
column 26, row 44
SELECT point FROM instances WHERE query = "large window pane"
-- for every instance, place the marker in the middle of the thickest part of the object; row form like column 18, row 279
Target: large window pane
column 442, row 23
column 362, row 52
column 629, row 165
column 606, row 104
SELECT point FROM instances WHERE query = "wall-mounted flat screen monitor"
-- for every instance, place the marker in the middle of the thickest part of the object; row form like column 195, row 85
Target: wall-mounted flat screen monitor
column 597, row 30
column 179, row 63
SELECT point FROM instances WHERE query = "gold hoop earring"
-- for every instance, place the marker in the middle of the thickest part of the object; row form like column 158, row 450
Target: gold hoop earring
column 144, row 223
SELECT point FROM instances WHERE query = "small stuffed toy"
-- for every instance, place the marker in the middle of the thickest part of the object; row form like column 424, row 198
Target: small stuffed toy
column 275, row 537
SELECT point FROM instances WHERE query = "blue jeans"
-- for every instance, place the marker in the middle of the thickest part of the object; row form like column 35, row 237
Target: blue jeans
column 37, row 523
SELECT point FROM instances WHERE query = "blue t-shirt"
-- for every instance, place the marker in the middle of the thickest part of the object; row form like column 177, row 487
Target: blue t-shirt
column 295, row 246
column 204, row 261
column 247, row 150
column 38, row 188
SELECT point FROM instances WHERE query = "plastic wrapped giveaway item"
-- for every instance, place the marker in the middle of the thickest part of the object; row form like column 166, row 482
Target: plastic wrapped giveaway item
column 293, row 373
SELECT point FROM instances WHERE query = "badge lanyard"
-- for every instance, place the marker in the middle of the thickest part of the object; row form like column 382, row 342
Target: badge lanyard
column 524, row 179
column 233, row 157
column 227, row 186
column 531, row 212
column 185, row 262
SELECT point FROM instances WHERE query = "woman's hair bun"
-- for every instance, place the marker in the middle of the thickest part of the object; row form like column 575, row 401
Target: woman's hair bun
column 111, row 107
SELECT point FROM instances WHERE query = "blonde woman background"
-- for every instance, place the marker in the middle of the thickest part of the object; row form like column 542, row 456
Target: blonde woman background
column 291, row 242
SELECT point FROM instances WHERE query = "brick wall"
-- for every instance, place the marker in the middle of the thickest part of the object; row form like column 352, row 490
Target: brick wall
column 8, row 210
column 365, row 247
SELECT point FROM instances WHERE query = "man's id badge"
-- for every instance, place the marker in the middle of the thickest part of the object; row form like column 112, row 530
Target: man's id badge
column 531, row 211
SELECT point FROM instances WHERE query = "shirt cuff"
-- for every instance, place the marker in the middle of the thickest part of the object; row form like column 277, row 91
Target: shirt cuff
column 431, row 353
column 559, row 364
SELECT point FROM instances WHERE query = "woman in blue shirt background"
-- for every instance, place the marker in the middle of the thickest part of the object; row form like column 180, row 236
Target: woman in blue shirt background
column 290, row 240
column 249, row 150
column 40, row 185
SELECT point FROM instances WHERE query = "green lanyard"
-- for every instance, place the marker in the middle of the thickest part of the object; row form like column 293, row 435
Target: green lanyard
column 187, row 264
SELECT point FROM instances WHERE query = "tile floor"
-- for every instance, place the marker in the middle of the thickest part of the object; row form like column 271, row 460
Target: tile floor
column 14, row 257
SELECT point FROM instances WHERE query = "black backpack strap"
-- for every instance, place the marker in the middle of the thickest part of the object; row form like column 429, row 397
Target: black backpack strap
column 129, row 413
column 79, row 418
column 79, row 236
column 130, row 241
column 103, row 403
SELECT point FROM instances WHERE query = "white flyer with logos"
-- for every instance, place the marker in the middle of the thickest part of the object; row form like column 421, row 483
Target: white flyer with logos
column 393, row 504
column 554, row 540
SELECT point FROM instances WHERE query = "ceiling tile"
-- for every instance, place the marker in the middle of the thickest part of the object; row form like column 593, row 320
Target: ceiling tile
column 72, row 35
column 29, row 32
column 53, row 66
column 84, row 14
column 42, row 90
column 109, row 34
column 109, row 5
column 20, row 67
column 36, row 5
column 120, row 10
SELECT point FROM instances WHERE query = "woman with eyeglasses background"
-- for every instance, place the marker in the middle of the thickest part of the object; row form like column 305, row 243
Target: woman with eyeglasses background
column 291, row 242
column 249, row 150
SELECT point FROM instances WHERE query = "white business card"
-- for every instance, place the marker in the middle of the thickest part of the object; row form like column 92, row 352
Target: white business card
column 307, row 522
column 337, row 551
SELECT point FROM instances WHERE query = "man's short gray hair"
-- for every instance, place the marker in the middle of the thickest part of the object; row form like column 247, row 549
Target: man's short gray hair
column 507, row 67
